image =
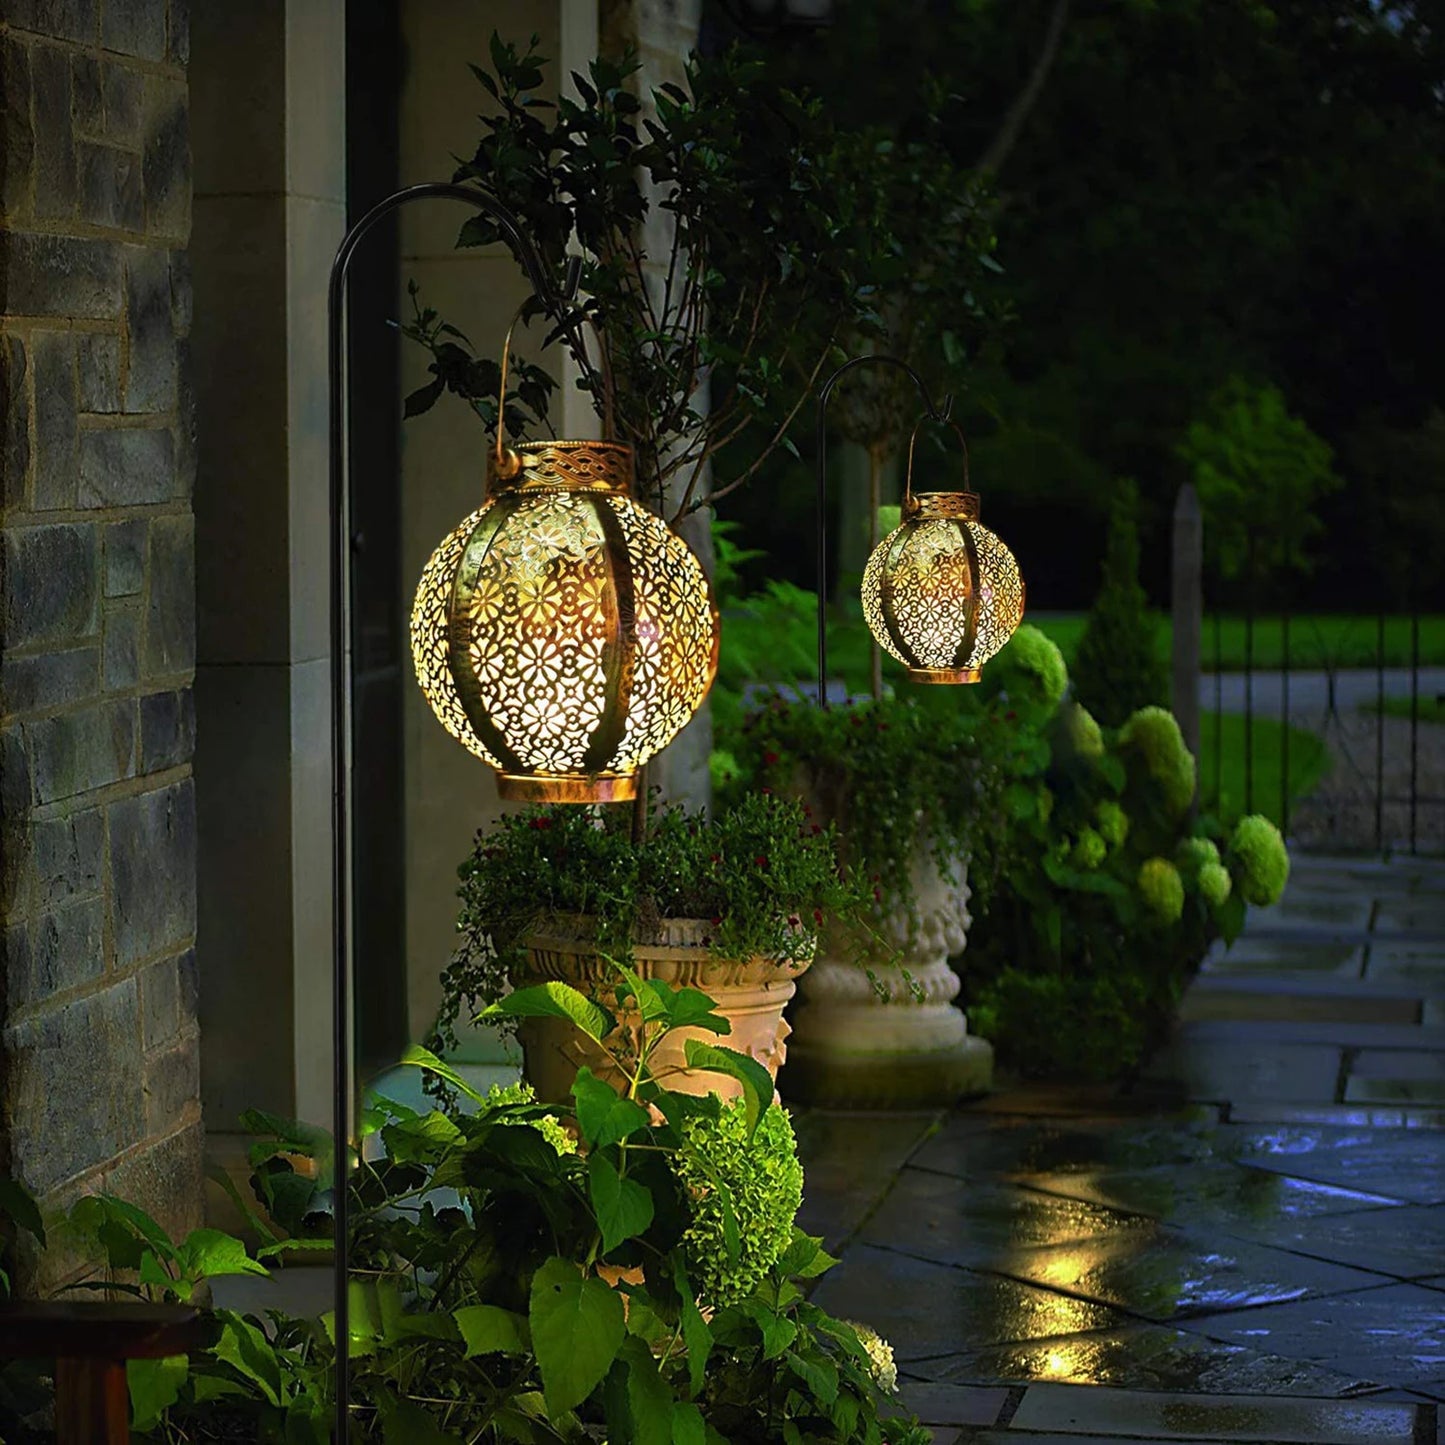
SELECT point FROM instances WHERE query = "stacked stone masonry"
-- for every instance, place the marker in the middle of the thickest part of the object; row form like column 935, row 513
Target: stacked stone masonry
column 98, row 1038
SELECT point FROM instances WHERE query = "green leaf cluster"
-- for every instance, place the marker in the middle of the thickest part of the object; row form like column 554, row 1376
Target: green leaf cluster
column 760, row 873
column 625, row 1266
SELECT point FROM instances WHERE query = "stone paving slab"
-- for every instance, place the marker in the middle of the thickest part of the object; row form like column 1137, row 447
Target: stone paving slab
column 1408, row 1243
column 936, row 1404
column 1301, row 997
column 1396, row 1076
column 1415, row 916
column 1287, row 956
column 1281, row 1073
column 1137, row 1414
column 1386, row 1116
column 1346, row 1034
column 1209, row 1194
column 928, row 1310
column 1144, row 1357
column 1395, row 1334
column 1406, row 1164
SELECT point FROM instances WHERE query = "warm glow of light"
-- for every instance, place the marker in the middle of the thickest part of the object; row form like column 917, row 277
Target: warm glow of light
column 563, row 633
column 942, row 593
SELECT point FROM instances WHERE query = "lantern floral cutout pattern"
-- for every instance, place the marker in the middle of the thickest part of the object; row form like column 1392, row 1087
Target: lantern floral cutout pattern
column 563, row 633
column 942, row 593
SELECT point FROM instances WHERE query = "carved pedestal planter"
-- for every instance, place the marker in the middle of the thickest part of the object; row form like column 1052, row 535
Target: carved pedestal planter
column 853, row 1048
column 750, row 993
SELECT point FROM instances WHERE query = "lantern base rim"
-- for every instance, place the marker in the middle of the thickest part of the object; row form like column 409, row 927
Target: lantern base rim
column 567, row 787
column 944, row 674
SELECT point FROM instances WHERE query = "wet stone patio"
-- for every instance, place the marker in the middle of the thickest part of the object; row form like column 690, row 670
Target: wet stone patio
column 1246, row 1245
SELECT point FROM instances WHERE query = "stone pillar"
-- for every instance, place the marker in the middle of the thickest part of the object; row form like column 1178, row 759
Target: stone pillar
column 269, row 126
column 99, row 1076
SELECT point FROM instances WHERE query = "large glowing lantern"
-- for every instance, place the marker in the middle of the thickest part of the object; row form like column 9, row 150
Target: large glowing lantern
column 942, row 593
column 563, row 632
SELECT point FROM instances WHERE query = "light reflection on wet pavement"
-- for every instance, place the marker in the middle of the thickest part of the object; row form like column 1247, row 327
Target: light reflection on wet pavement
column 1276, row 1279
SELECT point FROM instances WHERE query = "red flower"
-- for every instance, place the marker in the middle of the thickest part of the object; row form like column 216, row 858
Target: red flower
column 1011, row 716
column 766, row 792
column 793, row 920
column 878, row 895
column 816, row 829
column 716, row 858
column 761, row 860
column 717, row 920
column 769, row 758
column 818, row 917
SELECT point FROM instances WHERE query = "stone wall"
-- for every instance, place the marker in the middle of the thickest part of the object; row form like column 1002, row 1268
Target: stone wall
column 98, row 1037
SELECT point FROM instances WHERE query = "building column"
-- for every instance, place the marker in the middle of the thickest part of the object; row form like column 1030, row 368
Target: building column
column 270, row 209
column 98, row 965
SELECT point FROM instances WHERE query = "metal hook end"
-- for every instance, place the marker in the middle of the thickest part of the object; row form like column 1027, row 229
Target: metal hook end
column 945, row 412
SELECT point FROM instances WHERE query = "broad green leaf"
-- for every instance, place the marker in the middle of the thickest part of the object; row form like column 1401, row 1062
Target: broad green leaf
column 217, row 1175
column 603, row 1115
column 155, row 1385
column 577, row 1325
column 805, row 1257
column 756, row 1081
column 687, row 1425
column 246, row 1348
column 820, row 1375
column 153, row 1275
column 696, row 1335
column 649, row 1401
column 301, row 1246
column 778, row 1331
column 405, row 1423
column 623, row 1207
column 19, row 1204
column 690, row 1008
column 426, row 1060
column 420, row 1139
column 650, row 1003
column 555, row 1000
column 208, row 1253
column 491, row 1330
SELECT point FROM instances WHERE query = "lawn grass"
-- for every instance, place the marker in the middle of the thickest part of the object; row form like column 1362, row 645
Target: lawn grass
column 1316, row 641
column 1432, row 708
column 1308, row 763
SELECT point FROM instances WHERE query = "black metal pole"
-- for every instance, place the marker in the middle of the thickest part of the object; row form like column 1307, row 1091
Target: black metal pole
column 1284, row 790
column 934, row 412
column 341, row 1017
column 1380, row 730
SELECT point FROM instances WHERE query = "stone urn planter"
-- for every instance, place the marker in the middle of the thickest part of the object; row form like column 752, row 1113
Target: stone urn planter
column 750, row 993
column 907, row 1046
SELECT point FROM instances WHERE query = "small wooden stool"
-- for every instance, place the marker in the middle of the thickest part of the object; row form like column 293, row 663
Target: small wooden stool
column 90, row 1344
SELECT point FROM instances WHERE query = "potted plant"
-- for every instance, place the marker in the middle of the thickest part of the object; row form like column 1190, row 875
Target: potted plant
column 729, row 905
column 621, row 1268
column 913, row 790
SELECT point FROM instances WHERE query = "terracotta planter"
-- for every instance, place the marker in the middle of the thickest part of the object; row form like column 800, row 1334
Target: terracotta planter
column 750, row 993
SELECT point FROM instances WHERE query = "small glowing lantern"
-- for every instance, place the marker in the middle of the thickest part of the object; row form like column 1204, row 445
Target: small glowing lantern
column 563, row 632
column 942, row 593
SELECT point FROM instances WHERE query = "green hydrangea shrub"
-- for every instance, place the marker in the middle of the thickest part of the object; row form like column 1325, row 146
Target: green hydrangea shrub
column 1089, row 849
column 1195, row 854
column 1152, row 734
column 1079, row 733
column 500, row 1095
column 1215, row 884
column 1112, row 822
column 1260, row 861
column 1030, row 668
column 1162, row 889
column 765, row 1180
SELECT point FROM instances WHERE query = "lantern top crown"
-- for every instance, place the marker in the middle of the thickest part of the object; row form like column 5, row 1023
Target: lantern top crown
column 561, row 467
column 961, row 505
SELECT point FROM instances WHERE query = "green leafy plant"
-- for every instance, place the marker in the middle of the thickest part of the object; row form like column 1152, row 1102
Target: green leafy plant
column 1108, row 891
column 772, row 247
column 901, row 781
column 759, row 872
column 626, row 1265
column 1118, row 666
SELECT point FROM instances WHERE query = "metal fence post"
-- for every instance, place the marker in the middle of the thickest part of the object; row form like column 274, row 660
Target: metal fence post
column 1186, row 607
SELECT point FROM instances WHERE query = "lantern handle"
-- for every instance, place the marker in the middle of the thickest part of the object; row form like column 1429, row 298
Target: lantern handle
column 508, row 463
column 908, row 502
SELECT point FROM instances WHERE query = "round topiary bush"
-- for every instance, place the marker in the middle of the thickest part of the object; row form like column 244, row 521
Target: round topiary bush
column 1152, row 735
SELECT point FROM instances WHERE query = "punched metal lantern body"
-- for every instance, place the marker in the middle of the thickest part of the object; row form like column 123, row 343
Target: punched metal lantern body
column 942, row 593
column 563, row 633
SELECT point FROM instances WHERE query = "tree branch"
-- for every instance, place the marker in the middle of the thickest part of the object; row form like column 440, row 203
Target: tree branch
column 1012, row 124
